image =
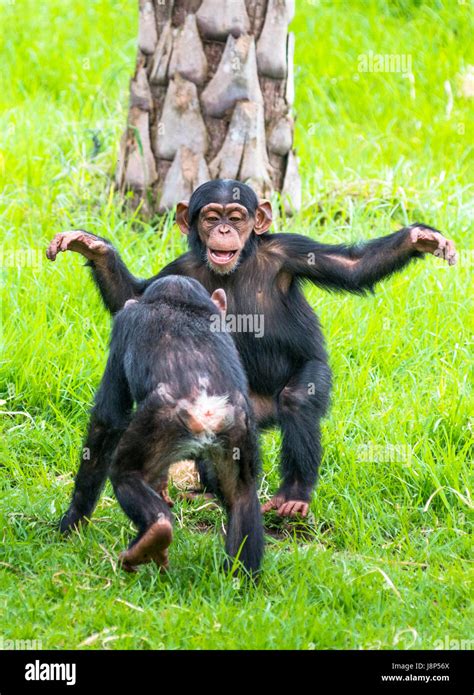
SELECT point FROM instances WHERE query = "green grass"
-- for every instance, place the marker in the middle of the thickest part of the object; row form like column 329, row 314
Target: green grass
column 385, row 560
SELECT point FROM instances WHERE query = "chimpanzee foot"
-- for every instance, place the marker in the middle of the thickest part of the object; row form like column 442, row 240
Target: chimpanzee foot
column 152, row 546
column 285, row 507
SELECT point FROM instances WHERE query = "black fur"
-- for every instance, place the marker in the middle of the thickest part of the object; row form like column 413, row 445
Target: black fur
column 163, row 355
column 287, row 368
column 221, row 191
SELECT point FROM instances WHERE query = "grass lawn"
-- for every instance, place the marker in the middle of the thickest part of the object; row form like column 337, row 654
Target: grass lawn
column 384, row 561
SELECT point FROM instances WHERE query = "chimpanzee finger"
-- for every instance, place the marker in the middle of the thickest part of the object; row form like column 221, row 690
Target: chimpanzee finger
column 300, row 508
column 65, row 241
column 285, row 509
column 294, row 508
column 267, row 506
column 289, row 509
column 273, row 503
column 451, row 254
column 52, row 250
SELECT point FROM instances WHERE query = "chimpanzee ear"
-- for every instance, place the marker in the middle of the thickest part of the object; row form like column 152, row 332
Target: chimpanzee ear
column 182, row 219
column 263, row 217
column 220, row 300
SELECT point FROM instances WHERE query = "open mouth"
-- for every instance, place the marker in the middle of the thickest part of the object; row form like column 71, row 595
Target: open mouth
column 221, row 257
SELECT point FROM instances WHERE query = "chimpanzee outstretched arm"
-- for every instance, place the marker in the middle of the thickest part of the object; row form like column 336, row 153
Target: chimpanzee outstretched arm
column 113, row 279
column 357, row 268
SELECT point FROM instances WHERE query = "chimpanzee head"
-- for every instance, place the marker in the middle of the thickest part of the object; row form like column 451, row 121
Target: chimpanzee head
column 221, row 220
column 183, row 291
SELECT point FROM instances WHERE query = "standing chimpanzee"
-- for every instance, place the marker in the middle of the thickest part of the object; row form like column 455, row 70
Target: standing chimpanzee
column 262, row 273
column 192, row 400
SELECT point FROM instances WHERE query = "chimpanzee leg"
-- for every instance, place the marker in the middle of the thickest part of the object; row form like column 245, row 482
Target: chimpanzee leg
column 109, row 419
column 148, row 510
column 236, row 473
column 93, row 470
column 139, row 468
column 301, row 405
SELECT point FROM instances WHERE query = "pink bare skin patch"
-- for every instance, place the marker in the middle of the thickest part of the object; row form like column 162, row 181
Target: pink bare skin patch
column 346, row 262
column 205, row 414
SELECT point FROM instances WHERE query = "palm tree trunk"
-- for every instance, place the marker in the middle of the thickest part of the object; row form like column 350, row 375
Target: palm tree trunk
column 211, row 97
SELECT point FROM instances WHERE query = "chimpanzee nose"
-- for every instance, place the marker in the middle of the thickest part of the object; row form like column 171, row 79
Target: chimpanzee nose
column 224, row 229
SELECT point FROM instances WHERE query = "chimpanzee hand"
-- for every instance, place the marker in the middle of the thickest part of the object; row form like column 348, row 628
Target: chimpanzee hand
column 71, row 520
column 86, row 244
column 428, row 241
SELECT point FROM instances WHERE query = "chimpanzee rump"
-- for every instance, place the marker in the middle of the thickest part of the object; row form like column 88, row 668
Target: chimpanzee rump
column 262, row 274
column 191, row 399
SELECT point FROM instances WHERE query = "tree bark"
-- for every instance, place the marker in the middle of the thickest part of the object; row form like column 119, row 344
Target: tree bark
column 211, row 97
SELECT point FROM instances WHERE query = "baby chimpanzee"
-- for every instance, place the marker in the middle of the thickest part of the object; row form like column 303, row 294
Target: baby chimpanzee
column 192, row 400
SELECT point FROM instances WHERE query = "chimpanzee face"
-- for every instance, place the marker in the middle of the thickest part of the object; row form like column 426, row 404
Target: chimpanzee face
column 224, row 230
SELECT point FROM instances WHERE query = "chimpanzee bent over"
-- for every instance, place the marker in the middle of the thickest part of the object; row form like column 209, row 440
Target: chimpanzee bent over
column 230, row 247
column 191, row 393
